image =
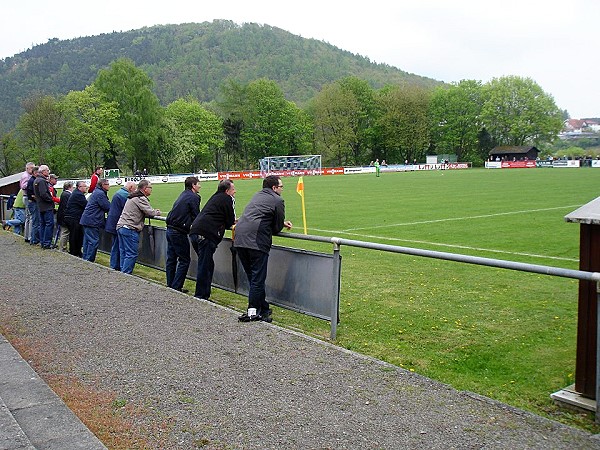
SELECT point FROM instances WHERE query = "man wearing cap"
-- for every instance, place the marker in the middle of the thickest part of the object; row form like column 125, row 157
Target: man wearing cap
column 52, row 180
column 45, row 205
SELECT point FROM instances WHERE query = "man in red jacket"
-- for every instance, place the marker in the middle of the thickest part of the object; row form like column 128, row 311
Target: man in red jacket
column 95, row 178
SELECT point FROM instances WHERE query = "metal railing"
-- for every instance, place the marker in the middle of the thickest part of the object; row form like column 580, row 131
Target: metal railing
column 489, row 262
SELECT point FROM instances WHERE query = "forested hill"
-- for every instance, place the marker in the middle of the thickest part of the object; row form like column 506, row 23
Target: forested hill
column 190, row 59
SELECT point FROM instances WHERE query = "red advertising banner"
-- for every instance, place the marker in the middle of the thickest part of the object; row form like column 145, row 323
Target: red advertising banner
column 333, row 171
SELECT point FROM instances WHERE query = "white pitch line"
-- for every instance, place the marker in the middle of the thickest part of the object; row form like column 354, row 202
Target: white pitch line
column 403, row 224
column 465, row 247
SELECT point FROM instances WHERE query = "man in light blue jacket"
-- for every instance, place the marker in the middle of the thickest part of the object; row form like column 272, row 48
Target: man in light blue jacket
column 116, row 208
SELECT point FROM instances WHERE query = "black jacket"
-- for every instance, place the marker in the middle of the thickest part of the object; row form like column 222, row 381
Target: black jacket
column 62, row 207
column 29, row 191
column 184, row 211
column 217, row 216
column 75, row 206
column 43, row 197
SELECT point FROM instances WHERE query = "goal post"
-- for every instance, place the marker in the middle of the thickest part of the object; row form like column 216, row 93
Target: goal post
column 272, row 164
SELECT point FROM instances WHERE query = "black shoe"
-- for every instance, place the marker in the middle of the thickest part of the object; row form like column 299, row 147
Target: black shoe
column 246, row 318
column 185, row 291
column 265, row 316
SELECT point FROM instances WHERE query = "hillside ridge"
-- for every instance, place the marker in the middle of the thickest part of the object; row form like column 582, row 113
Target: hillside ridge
column 190, row 59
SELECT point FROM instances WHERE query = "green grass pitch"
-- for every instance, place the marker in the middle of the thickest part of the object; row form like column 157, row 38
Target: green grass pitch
column 504, row 334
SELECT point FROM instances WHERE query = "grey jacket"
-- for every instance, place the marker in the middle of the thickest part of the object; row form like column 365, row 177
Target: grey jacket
column 262, row 218
column 136, row 209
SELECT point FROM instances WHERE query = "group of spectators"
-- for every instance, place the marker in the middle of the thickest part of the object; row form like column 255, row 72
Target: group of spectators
column 81, row 215
column 80, row 220
column 204, row 229
column 34, row 206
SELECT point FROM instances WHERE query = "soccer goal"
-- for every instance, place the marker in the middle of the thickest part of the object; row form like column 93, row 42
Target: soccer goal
column 310, row 163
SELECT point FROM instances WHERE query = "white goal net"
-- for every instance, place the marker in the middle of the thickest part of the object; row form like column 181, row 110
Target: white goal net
column 300, row 163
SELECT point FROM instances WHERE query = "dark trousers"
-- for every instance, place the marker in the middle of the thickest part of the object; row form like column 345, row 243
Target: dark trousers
column 178, row 258
column 205, row 248
column 75, row 237
column 255, row 266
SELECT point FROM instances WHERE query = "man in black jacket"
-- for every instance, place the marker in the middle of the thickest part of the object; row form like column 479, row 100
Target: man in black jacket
column 263, row 217
column 179, row 220
column 45, row 206
column 75, row 207
column 60, row 215
column 207, row 231
column 34, row 229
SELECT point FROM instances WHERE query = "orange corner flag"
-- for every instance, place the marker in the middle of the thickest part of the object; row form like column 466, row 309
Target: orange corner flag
column 300, row 186
column 300, row 191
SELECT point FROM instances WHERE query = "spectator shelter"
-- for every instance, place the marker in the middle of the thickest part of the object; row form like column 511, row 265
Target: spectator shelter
column 8, row 185
column 513, row 153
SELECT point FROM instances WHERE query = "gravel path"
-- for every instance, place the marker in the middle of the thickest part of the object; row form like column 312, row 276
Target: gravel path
column 224, row 384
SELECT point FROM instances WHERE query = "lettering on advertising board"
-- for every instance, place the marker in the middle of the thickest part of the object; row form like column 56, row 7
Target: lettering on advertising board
column 529, row 164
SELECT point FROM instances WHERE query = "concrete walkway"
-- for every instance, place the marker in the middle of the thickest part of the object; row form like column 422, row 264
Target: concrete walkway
column 203, row 379
column 31, row 415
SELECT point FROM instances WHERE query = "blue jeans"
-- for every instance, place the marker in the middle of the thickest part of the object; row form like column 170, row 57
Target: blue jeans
column 35, row 222
column 18, row 221
column 128, row 246
column 115, row 254
column 91, row 241
column 205, row 248
column 178, row 258
column 27, row 227
column 46, row 228
column 255, row 266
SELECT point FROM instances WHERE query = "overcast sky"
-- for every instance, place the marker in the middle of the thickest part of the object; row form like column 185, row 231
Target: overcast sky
column 553, row 42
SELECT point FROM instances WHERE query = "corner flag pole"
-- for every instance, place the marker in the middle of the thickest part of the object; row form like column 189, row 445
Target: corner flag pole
column 300, row 191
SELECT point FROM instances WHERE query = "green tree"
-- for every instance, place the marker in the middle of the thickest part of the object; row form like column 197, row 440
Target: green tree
column 91, row 126
column 271, row 125
column 41, row 127
column 139, row 112
column 195, row 135
column 516, row 111
column 402, row 127
column 455, row 116
column 363, row 117
column 343, row 113
column 230, row 104
column 11, row 156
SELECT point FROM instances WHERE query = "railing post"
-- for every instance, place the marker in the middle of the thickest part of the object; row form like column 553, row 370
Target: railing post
column 335, row 286
column 597, row 416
